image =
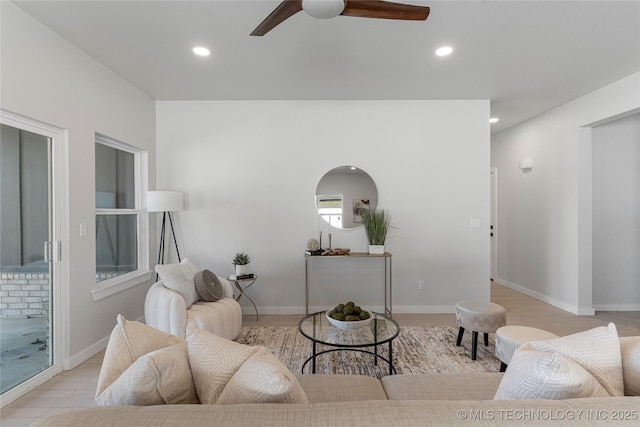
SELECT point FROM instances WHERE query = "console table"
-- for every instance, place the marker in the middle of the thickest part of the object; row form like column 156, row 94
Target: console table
column 388, row 277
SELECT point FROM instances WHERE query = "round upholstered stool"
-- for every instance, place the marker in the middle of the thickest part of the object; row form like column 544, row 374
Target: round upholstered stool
column 509, row 338
column 478, row 316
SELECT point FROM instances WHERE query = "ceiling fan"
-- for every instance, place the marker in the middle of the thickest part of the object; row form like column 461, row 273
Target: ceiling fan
column 325, row 9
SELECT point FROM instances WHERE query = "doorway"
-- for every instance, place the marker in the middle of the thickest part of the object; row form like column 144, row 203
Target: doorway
column 493, row 227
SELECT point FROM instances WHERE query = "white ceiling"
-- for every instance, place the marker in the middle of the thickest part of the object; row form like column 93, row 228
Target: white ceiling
column 525, row 56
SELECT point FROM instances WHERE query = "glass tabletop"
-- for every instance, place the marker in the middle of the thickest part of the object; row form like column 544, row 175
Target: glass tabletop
column 317, row 328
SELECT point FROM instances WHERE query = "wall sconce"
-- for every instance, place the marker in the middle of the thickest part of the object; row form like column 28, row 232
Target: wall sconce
column 526, row 165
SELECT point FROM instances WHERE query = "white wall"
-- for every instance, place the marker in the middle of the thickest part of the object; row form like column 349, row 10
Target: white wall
column 47, row 79
column 250, row 171
column 544, row 216
column 616, row 215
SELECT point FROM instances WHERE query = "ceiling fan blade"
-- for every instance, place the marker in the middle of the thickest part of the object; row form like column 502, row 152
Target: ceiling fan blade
column 284, row 10
column 385, row 10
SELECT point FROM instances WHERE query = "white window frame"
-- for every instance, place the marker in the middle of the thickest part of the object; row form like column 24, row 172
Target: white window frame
column 333, row 215
column 109, row 287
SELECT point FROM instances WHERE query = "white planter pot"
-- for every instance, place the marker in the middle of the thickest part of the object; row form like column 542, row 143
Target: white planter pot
column 242, row 269
column 376, row 249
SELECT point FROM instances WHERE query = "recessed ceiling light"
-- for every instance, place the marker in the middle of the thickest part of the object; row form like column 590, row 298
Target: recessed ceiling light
column 494, row 120
column 353, row 168
column 201, row 51
column 444, row 51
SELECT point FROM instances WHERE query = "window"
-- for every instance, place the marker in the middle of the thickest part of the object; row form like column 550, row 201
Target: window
column 330, row 208
column 121, row 227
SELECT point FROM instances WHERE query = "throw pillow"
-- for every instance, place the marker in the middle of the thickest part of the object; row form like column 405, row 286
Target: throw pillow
column 180, row 278
column 208, row 286
column 216, row 361
column 129, row 341
column 630, row 351
column 160, row 377
column 262, row 379
column 538, row 375
column 596, row 350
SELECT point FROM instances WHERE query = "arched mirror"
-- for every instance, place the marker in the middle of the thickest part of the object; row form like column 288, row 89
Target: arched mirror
column 343, row 193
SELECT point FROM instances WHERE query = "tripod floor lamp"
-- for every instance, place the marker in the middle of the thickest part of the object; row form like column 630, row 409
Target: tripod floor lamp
column 165, row 202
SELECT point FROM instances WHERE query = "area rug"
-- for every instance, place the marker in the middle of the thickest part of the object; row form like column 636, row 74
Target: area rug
column 416, row 350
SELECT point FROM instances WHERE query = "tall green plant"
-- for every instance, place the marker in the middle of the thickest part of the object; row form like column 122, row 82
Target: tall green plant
column 376, row 223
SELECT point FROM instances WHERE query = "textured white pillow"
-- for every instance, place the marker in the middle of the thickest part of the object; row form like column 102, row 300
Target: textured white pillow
column 539, row 375
column 630, row 351
column 160, row 377
column 596, row 350
column 216, row 361
column 180, row 278
column 262, row 379
column 129, row 342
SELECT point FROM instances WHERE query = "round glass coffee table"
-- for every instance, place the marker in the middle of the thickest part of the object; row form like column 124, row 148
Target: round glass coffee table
column 382, row 330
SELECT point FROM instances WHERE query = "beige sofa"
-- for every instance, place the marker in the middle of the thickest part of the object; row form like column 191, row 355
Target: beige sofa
column 401, row 400
column 398, row 400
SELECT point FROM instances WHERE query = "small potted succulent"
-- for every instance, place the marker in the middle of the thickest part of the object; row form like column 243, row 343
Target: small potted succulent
column 241, row 262
column 376, row 223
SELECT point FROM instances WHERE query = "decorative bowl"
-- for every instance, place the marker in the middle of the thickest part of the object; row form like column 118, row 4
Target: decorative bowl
column 356, row 324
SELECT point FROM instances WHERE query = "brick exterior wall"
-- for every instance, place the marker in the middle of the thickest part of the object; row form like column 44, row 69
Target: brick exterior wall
column 24, row 295
column 27, row 294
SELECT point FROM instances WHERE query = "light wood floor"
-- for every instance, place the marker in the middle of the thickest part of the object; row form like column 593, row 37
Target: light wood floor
column 76, row 388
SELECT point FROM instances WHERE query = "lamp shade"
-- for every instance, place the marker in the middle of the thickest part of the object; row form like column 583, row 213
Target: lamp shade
column 165, row 201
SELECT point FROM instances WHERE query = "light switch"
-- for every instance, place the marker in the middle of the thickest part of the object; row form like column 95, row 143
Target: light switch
column 83, row 229
column 475, row 222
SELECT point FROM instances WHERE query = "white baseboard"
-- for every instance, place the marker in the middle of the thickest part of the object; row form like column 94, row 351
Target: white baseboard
column 616, row 307
column 402, row 309
column 424, row 309
column 249, row 311
column 89, row 352
column 545, row 298
column 85, row 354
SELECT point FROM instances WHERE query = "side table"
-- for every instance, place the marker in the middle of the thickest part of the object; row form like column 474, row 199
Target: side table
column 242, row 285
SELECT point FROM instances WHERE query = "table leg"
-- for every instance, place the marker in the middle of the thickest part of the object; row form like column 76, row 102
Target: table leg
column 375, row 339
column 390, row 358
column 254, row 306
column 240, row 290
column 313, row 361
column 375, row 359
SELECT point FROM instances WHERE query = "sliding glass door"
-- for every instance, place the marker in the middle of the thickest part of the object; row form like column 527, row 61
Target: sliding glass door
column 28, row 255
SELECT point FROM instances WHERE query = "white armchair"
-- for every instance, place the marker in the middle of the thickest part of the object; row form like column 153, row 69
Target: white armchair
column 166, row 310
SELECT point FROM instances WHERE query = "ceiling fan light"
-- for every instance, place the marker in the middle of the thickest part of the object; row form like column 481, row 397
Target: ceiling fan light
column 201, row 51
column 323, row 9
column 444, row 51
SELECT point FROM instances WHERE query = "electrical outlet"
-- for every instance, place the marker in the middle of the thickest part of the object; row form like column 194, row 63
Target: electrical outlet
column 422, row 284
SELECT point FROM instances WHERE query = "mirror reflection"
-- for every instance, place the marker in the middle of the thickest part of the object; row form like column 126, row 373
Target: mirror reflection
column 343, row 194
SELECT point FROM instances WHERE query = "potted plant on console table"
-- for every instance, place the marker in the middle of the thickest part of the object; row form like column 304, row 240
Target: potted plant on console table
column 376, row 223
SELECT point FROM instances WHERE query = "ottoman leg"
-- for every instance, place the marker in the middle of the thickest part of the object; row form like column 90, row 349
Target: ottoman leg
column 460, row 333
column 486, row 339
column 474, row 345
column 503, row 366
